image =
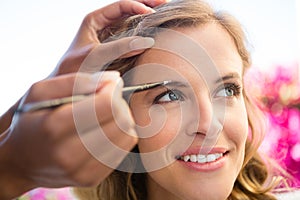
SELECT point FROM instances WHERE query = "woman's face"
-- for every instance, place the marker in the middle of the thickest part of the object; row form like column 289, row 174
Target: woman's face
column 195, row 127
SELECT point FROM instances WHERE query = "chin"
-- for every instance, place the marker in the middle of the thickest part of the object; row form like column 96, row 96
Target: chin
column 218, row 190
column 207, row 194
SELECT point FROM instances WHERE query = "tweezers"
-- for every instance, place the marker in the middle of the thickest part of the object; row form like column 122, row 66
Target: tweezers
column 30, row 107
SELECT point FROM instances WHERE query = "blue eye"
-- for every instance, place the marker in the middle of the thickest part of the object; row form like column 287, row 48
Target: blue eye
column 226, row 92
column 169, row 96
column 229, row 90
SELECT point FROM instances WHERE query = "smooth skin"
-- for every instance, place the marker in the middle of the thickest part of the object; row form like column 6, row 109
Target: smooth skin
column 179, row 181
column 43, row 149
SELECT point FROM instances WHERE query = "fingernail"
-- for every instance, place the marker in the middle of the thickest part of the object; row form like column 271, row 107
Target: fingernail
column 150, row 10
column 141, row 43
column 154, row 3
column 97, row 76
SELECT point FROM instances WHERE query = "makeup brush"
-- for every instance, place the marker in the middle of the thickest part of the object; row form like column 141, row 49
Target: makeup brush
column 29, row 107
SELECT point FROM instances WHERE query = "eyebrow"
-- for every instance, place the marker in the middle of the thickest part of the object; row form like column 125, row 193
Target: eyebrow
column 175, row 83
column 229, row 76
column 171, row 83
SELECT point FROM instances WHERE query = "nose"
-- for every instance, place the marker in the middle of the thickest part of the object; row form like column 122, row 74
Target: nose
column 206, row 121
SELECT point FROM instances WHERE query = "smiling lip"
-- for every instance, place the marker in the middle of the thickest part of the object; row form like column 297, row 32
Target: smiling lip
column 205, row 161
column 204, row 150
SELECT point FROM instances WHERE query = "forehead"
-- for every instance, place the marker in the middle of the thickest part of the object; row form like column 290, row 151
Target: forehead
column 206, row 51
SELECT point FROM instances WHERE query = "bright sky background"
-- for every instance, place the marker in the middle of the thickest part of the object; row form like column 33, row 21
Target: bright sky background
column 35, row 34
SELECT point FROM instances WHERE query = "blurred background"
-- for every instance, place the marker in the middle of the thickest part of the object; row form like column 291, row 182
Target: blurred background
column 35, row 34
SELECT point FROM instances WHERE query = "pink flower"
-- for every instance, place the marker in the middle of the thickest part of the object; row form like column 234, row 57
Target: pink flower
column 278, row 95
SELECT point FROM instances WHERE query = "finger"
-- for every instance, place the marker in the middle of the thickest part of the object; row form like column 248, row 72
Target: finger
column 133, row 53
column 76, row 170
column 105, row 158
column 90, row 112
column 105, row 16
column 116, row 10
column 91, row 174
column 110, row 51
column 119, row 9
column 97, row 139
column 68, row 85
column 108, row 143
column 153, row 3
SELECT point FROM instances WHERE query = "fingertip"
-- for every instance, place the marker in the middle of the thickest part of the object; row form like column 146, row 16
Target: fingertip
column 138, row 46
column 136, row 7
column 148, row 10
column 99, row 78
column 141, row 43
column 154, row 3
column 143, row 9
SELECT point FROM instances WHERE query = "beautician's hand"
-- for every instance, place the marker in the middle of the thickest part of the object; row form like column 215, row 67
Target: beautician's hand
column 43, row 148
column 86, row 39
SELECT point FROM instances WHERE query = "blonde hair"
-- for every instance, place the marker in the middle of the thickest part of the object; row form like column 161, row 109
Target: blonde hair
column 253, row 181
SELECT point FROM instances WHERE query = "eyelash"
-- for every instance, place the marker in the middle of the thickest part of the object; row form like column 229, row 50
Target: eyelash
column 178, row 94
column 236, row 88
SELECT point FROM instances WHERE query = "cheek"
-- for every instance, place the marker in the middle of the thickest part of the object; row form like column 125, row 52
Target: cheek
column 236, row 128
column 157, row 129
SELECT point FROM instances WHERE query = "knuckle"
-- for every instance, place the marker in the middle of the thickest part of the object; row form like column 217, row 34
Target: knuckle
column 88, row 19
column 35, row 90
column 34, row 87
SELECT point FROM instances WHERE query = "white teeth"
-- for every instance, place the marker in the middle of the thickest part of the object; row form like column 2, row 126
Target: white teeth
column 193, row 158
column 211, row 157
column 186, row 158
column 201, row 158
column 218, row 155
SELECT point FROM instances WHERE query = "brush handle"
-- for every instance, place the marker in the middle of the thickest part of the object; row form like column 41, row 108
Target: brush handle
column 52, row 103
